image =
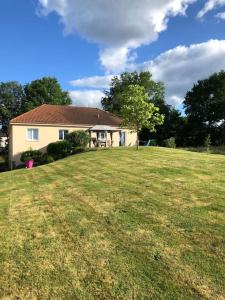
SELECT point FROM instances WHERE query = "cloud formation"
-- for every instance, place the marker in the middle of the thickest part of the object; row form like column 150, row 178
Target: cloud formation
column 118, row 27
column 178, row 68
column 88, row 98
column 97, row 82
column 220, row 15
column 209, row 6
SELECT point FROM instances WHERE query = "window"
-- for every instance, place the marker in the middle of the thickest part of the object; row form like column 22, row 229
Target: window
column 101, row 135
column 62, row 134
column 32, row 134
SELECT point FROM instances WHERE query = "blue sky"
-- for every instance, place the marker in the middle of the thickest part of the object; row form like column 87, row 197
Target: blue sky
column 88, row 41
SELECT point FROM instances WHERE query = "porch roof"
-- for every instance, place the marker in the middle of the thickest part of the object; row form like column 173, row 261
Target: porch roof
column 104, row 128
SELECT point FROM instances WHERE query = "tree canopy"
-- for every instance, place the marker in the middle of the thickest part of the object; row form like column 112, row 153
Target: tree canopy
column 155, row 94
column 205, row 108
column 112, row 100
column 11, row 102
column 137, row 112
column 45, row 91
column 16, row 99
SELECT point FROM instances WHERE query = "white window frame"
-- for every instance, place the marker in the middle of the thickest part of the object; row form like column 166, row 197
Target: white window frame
column 102, row 135
column 63, row 130
column 32, row 134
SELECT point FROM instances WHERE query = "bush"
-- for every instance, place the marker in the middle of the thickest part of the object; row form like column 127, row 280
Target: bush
column 46, row 159
column 153, row 143
column 78, row 138
column 31, row 154
column 59, row 150
column 78, row 150
column 170, row 143
column 207, row 143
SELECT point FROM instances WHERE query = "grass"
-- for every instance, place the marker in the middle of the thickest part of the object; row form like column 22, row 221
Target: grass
column 213, row 149
column 116, row 224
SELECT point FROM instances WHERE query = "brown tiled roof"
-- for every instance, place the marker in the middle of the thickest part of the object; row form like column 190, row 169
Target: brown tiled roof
column 67, row 115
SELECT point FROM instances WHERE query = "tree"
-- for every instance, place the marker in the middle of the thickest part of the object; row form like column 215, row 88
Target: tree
column 11, row 102
column 137, row 112
column 156, row 95
column 205, row 109
column 45, row 91
column 112, row 100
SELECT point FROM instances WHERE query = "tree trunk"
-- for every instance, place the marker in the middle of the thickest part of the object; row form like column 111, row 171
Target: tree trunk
column 137, row 139
column 137, row 143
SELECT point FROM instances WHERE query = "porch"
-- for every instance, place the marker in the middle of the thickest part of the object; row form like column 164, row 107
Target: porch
column 106, row 136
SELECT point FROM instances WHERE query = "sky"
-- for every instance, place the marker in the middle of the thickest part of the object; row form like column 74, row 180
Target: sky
column 83, row 43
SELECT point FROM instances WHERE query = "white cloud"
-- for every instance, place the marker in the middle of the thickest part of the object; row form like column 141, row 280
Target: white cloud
column 182, row 66
column 118, row 27
column 178, row 68
column 220, row 16
column 100, row 82
column 209, row 6
column 91, row 98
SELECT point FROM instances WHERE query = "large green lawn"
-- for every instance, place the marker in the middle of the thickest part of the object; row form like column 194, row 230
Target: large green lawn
column 115, row 224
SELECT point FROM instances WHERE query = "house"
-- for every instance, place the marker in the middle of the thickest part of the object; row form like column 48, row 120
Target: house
column 50, row 123
column 3, row 139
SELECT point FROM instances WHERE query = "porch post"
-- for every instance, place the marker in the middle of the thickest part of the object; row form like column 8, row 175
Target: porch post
column 89, row 138
column 106, row 138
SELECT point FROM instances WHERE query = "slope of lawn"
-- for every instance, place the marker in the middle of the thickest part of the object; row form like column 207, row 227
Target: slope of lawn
column 115, row 224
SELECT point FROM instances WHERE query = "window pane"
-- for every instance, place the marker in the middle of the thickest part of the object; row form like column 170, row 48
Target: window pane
column 60, row 134
column 29, row 134
column 32, row 134
column 35, row 134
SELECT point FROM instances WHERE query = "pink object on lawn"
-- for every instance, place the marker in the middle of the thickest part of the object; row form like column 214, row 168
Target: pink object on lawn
column 29, row 164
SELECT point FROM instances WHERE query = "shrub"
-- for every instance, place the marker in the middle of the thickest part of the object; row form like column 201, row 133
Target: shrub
column 31, row 154
column 46, row 159
column 170, row 143
column 207, row 143
column 78, row 150
column 59, row 149
column 78, row 138
column 153, row 143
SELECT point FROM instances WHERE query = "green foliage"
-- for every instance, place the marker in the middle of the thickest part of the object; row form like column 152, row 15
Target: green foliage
column 78, row 138
column 45, row 91
column 207, row 143
column 11, row 102
column 205, row 108
column 16, row 99
column 59, row 149
column 46, row 159
column 77, row 150
column 153, row 142
column 35, row 155
column 137, row 112
column 119, row 84
column 170, row 143
column 173, row 121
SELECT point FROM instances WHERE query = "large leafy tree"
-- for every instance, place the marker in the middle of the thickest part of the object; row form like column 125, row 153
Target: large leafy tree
column 45, row 91
column 112, row 100
column 156, row 95
column 137, row 112
column 11, row 102
column 205, row 108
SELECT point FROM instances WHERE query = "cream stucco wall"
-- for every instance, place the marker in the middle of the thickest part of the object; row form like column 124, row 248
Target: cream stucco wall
column 48, row 134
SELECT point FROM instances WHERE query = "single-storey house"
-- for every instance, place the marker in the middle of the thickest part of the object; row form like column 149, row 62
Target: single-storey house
column 50, row 123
